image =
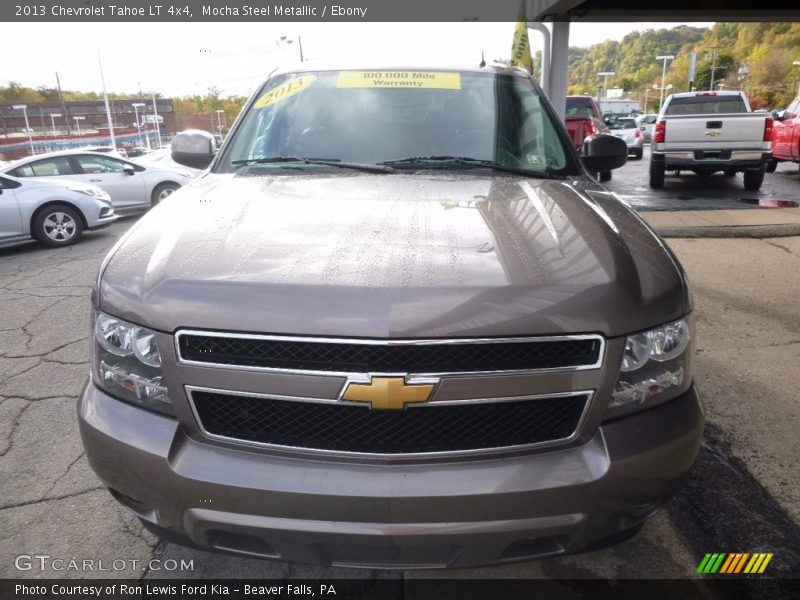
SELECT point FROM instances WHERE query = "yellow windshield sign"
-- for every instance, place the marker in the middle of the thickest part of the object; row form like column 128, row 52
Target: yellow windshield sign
column 400, row 79
column 285, row 90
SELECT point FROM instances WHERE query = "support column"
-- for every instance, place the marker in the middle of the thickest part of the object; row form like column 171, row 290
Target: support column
column 544, row 80
column 558, row 67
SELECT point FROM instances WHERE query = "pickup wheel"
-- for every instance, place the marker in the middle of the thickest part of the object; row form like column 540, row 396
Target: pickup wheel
column 772, row 165
column 656, row 175
column 637, row 154
column 753, row 179
column 605, row 176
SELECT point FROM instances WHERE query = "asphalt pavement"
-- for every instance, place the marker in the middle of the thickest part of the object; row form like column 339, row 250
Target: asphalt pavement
column 743, row 495
column 690, row 192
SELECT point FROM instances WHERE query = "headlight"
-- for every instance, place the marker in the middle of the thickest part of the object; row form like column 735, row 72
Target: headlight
column 662, row 344
column 655, row 367
column 126, row 363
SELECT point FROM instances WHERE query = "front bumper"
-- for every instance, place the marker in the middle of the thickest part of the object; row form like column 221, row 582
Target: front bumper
column 433, row 515
column 100, row 222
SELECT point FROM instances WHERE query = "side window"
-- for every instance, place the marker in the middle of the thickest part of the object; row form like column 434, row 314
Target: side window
column 45, row 168
column 794, row 109
column 99, row 164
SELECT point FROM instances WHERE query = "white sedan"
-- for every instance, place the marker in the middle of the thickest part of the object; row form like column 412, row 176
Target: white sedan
column 132, row 186
column 53, row 211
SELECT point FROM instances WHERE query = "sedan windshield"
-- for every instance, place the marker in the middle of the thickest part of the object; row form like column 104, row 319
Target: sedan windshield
column 623, row 124
column 406, row 119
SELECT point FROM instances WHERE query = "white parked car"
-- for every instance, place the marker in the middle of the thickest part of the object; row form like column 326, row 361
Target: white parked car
column 626, row 130
column 132, row 186
column 53, row 211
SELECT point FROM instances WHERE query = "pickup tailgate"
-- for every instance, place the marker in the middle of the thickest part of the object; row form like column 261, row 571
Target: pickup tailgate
column 577, row 129
column 738, row 131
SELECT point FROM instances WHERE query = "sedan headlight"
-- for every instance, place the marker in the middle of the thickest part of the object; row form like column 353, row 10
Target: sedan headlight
column 126, row 363
column 656, row 367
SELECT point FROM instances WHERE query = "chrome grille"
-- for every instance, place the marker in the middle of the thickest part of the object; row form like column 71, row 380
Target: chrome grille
column 390, row 356
column 429, row 428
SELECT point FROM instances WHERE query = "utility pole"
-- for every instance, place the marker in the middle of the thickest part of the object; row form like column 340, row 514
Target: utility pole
column 714, row 55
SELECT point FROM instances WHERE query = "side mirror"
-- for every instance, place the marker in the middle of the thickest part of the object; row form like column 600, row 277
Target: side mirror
column 603, row 152
column 780, row 115
column 128, row 169
column 194, row 148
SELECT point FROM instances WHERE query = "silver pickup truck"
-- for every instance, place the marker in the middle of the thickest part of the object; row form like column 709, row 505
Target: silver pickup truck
column 708, row 132
column 395, row 324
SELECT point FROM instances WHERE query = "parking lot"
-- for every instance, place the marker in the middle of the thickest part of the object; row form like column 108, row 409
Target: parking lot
column 743, row 495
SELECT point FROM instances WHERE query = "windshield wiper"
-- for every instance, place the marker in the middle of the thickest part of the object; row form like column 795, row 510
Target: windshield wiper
column 466, row 161
column 330, row 162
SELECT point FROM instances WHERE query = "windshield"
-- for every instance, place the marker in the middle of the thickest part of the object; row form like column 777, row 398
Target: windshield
column 623, row 124
column 704, row 104
column 368, row 118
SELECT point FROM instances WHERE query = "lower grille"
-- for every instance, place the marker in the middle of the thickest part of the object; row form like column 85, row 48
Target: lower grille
column 348, row 428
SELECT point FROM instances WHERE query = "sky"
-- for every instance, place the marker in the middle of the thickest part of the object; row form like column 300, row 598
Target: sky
column 189, row 58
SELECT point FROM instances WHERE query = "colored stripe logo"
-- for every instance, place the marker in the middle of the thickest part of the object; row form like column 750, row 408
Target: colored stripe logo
column 734, row 563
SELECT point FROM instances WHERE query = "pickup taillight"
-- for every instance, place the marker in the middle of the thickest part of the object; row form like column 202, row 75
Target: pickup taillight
column 590, row 128
column 660, row 132
column 768, row 130
column 638, row 133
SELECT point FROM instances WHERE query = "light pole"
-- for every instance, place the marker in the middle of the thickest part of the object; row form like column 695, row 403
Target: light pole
column 220, row 112
column 53, row 122
column 284, row 41
column 665, row 58
column 24, row 109
column 646, row 94
column 605, row 75
column 136, row 107
column 155, row 116
column 78, row 124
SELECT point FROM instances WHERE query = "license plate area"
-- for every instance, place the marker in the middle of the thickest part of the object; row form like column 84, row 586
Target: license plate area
column 712, row 155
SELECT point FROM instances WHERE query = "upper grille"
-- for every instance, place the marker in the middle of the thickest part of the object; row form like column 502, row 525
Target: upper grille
column 452, row 356
column 417, row 429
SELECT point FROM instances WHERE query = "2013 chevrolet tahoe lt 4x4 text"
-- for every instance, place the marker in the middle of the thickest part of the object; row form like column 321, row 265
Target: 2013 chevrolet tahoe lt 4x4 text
column 394, row 325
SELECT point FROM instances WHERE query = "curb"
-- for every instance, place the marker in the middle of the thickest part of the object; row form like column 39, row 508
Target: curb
column 731, row 231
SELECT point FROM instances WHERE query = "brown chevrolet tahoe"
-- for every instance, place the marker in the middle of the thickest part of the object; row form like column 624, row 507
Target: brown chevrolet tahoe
column 395, row 324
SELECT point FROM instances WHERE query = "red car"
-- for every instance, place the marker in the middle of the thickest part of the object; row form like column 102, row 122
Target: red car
column 786, row 136
column 584, row 118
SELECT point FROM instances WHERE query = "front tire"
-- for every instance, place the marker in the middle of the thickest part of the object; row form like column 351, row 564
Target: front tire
column 753, row 179
column 637, row 154
column 57, row 225
column 656, row 175
column 605, row 176
column 772, row 165
column 162, row 191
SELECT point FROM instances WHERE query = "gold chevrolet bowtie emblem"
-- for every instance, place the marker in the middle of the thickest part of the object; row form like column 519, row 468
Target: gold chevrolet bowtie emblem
column 713, row 132
column 387, row 393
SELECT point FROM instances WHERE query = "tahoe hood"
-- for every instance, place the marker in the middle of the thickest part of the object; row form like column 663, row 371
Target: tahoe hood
column 422, row 255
